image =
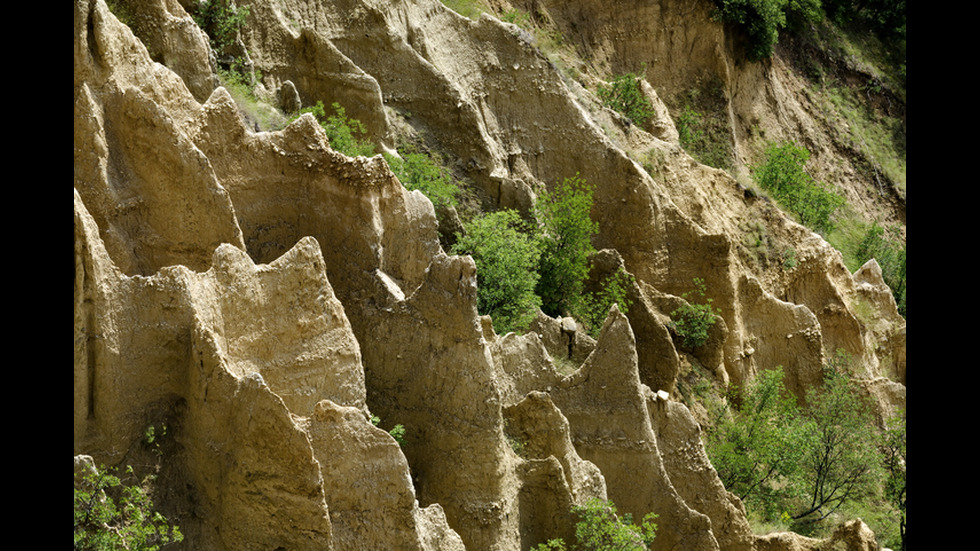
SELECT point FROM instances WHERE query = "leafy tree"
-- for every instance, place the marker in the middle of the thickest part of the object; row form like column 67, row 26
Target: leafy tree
column 505, row 260
column 840, row 461
column 894, row 456
column 784, row 174
column 625, row 96
column 600, row 529
column 756, row 450
column 761, row 20
column 110, row 515
column 221, row 20
column 566, row 239
column 692, row 321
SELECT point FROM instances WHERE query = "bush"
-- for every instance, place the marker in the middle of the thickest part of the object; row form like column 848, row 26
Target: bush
column 419, row 171
column 505, row 259
column 783, row 174
column 600, row 529
column 342, row 131
column 566, row 244
column 885, row 246
column 693, row 321
column 593, row 308
column 626, row 97
column 110, row 515
column 761, row 20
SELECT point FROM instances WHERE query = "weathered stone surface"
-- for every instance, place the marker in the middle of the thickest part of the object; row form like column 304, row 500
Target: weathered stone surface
column 606, row 409
column 260, row 293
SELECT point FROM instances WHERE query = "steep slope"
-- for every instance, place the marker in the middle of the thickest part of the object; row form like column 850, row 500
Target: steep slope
column 263, row 295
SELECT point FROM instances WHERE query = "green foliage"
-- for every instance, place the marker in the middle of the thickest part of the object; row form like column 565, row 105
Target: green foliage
column 894, row 455
column 885, row 246
column 518, row 17
column 471, row 9
column 703, row 127
column 592, row 308
column 566, row 243
column 419, row 171
column 688, row 130
column 397, row 432
column 761, row 20
column 756, row 448
column 600, row 529
column 110, row 515
column 342, row 132
column 222, row 20
column 505, row 260
column 692, row 321
column 783, row 174
column 626, row 97
column 840, row 460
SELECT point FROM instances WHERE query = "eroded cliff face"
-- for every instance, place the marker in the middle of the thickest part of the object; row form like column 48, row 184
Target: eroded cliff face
column 263, row 295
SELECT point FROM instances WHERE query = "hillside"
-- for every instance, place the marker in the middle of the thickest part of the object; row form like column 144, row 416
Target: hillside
column 255, row 312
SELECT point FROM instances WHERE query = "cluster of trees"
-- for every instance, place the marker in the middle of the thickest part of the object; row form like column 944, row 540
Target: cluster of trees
column 802, row 464
column 762, row 20
column 522, row 266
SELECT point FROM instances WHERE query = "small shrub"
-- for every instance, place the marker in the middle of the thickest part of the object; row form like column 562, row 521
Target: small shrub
column 688, row 131
column 342, row 132
column 566, row 238
column 593, row 308
column 885, row 246
column 110, row 515
column 600, row 529
column 419, row 171
column 783, row 174
column 626, row 97
column 518, row 17
column 693, row 321
column 506, row 259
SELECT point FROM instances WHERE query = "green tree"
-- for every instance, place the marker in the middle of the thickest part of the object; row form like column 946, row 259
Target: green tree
column 600, row 529
column 841, row 461
column 566, row 238
column 110, row 515
column 784, row 175
column 692, row 321
column 894, row 456
column 506, row 259
column 222, row 20
column 761, row 20
column 756, row 449
column 625, row 96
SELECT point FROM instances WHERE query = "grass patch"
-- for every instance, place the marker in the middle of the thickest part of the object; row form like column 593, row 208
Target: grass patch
column 470, row 9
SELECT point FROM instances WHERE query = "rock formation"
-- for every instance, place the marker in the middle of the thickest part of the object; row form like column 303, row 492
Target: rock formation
column 262, row 295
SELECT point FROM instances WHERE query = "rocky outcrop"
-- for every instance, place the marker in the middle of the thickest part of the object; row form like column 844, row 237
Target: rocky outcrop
column 263, row 295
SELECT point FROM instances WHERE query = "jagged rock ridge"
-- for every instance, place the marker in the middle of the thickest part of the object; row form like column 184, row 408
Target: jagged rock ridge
column 261, row 294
